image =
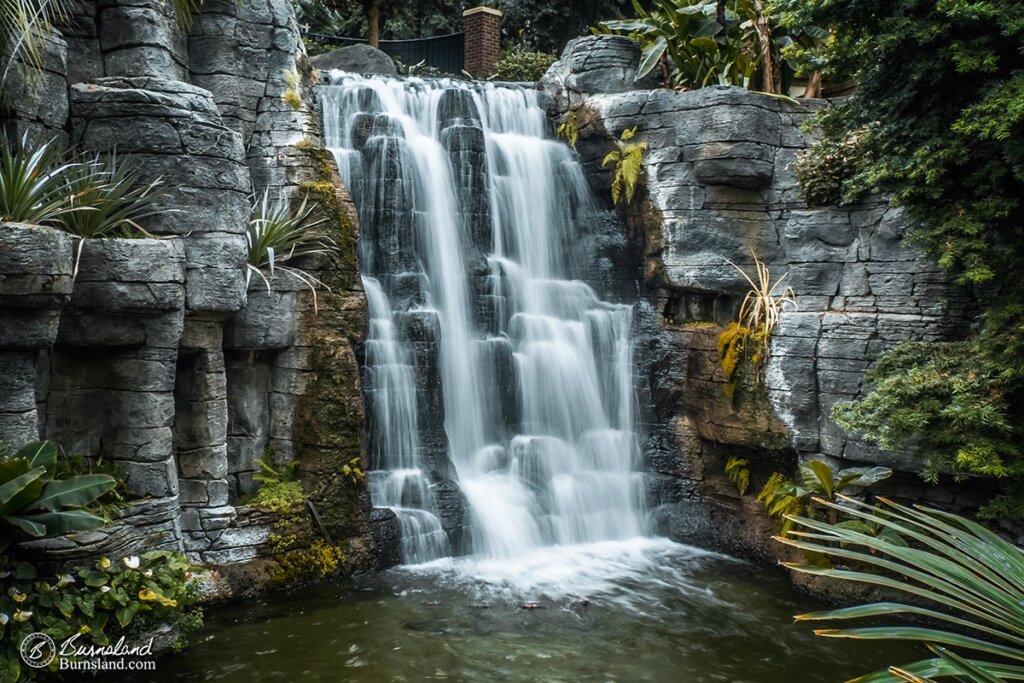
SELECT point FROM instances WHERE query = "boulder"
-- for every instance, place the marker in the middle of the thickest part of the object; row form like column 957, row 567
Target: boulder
column 359, row 58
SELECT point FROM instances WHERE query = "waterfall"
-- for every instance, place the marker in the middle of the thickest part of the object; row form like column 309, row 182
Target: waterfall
column 471, row 224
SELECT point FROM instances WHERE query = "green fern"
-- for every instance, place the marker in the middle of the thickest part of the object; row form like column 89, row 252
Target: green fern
column 279, row 491
column 739, row 474
column 569, row 130
column 628, row 158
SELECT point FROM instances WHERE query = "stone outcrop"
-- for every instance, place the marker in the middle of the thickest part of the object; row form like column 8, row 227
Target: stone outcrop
column 718, row 187
column 358, row 59
column 165, row 356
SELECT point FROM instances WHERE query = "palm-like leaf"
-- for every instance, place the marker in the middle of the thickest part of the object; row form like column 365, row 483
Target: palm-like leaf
column 972, row 578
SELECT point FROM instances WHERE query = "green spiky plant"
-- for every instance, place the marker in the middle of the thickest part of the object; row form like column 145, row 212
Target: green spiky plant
column 966, row 584
column 628, row 158
column 34, row 503
column 107, row 197
column 278, row 234
column 32, row 185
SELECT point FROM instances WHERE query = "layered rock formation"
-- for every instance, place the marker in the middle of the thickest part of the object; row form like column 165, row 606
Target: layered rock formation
column 164, row 355
column 720, row 188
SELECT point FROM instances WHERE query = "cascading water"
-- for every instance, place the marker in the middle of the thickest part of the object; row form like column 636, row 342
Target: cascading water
column 470, row 217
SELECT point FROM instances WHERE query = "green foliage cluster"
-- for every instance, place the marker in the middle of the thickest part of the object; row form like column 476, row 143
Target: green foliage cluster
column 88, row 195
column 279, row 490
column 963, row 583
column 523, row 65
column 937, row 124
column 35, row 503
column 628, row 160
column 738, row 471
column 700, row 43
column 569, row 129
column 549, row 24
column 825, row 173
column 98, row 603
column 818, row 484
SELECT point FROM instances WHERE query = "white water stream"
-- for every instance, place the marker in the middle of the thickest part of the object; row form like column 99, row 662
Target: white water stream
column 551, row 459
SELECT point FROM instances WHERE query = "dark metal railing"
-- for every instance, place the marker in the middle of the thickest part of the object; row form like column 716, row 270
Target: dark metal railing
column 446, row 53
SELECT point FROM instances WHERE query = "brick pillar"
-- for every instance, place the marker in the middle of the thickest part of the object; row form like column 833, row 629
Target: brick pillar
column 482, row 26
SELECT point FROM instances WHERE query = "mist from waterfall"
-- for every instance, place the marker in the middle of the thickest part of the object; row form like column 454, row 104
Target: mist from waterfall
column 471, row 218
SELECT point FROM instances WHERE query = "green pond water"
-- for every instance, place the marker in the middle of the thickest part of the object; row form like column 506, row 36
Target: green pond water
column 651, row 611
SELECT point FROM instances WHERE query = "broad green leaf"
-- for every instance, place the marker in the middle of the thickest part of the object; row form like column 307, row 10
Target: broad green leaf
column 651, row 54
column 65, row 521
column 821, row 474
column 9, row 490
column 40, row 454
column 30, row 527
column 74, row 492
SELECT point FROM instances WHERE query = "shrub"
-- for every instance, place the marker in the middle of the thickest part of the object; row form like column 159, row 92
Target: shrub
column 34, row 503
column 628, row 158
column 97, row 604
column 738, row 471
column 523, row 65
column 964, row 582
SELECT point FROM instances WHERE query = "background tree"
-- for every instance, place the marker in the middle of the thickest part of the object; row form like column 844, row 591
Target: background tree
column 548, row 24
column 937, row 123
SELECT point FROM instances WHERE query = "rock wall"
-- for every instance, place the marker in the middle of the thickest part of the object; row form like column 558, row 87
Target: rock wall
column 165, row 355
column 719, row 186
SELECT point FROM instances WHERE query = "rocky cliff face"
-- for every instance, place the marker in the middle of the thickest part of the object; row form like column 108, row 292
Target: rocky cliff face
column 160, row 354
column 720, row 187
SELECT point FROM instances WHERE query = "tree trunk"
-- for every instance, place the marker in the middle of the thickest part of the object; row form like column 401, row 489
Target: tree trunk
column 373, row 23
column 814, row 85
column 771, row 79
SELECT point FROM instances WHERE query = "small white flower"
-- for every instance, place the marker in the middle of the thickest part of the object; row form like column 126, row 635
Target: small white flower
column 132, row 562
column 64, row 580
column 22, row 615
column 4, row 619
column 104, row 589
column 148, row 573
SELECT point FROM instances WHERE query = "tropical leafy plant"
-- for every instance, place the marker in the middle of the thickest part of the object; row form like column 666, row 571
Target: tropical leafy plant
column 34, row 503
column 32, row 182
column 628, row 158
column 107, row 197
column 279, row 491
column 738, row 471
column 782, row 497
column 97, row 604
column 712, row 42
column 569, row 130
column 278, row 234
column 764, row 303
column 965, row 582
column 750, row 335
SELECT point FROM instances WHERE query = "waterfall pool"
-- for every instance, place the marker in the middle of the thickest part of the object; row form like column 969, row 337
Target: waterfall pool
column 651, row 610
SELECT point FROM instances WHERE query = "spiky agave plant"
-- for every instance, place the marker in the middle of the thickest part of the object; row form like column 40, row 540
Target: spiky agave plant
column 967, row 583
column 32, row 182
column 278, row 234
column 762, row 307
column 628, row 158
column 108, row 196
